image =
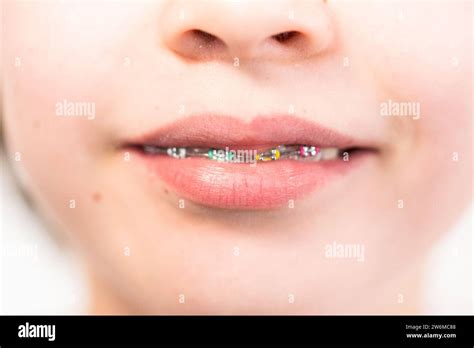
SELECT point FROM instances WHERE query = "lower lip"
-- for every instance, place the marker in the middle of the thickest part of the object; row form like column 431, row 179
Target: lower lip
column 260, row 186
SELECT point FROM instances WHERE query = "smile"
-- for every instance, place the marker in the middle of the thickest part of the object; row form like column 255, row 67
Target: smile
column 202, row 159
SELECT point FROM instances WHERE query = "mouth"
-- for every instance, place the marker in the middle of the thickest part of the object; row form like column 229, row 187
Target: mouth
column 223, row 162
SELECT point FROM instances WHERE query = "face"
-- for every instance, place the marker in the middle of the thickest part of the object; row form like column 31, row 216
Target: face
column 96, row 92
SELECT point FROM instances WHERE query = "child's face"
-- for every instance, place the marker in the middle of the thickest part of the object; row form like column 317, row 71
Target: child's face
column 236, row 238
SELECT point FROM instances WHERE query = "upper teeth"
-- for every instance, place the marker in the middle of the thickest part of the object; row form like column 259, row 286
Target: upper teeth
column 273, row 154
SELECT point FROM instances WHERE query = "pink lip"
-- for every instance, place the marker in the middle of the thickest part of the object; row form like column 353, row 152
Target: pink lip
column 222, row 131
column 266, row 185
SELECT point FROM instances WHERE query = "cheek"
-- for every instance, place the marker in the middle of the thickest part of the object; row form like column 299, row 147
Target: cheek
column 412, row 48
column 66, row 52
column 416, row 52
column 56, row 63
column 420, row 52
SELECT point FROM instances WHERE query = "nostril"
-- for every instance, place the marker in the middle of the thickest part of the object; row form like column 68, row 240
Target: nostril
column 197, row 44
column 286, row 37
column 204, row 39
column 289, row 44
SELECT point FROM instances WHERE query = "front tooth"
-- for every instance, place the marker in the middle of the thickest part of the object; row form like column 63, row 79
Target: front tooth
column 329, row 153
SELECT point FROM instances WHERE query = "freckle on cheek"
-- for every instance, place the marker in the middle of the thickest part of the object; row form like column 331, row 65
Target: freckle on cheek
column 96, row 197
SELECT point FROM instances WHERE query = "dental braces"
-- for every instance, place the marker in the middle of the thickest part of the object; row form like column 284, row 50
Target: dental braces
column 293, row 152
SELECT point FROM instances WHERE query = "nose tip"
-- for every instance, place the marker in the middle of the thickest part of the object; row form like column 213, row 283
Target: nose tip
column 224, row 29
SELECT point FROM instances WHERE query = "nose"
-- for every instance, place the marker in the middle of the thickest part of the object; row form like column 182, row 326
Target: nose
column 277, row 30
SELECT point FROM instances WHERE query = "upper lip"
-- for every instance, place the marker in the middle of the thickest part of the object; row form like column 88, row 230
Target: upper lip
column 226, row 131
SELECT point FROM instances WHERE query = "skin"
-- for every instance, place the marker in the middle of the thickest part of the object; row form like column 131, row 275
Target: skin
column 142, row 250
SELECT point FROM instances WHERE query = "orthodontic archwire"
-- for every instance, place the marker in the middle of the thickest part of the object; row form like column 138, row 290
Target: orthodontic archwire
column 292, row 152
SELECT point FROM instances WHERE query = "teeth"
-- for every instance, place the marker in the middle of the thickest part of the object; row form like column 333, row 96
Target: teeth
column 329, row 154
column 294, row 152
